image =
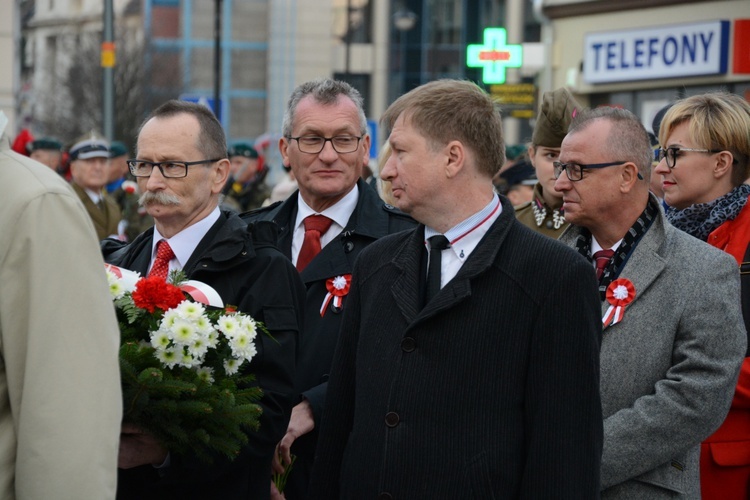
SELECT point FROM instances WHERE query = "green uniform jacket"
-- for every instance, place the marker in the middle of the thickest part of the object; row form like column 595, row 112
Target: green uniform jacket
column 552, row 216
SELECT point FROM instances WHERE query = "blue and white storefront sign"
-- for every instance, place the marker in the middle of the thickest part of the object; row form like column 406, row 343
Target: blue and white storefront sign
column 672, row 51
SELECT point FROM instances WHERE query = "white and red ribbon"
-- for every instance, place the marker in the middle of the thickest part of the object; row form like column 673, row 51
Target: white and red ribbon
column 620, row 293
column 198, row 290
column 202, row 292
column 127, row 277
column 338, row 288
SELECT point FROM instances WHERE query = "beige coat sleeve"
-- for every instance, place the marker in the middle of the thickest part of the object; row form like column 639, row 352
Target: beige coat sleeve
column 60, row 399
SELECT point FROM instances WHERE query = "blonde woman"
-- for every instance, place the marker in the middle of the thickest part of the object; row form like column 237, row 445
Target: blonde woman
column 703, row 164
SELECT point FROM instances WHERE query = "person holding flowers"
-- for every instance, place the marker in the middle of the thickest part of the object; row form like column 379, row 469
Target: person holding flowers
column 673, row 338
column 181, row 168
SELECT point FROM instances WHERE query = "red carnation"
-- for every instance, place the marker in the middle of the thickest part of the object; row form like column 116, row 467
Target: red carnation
column 152, row 293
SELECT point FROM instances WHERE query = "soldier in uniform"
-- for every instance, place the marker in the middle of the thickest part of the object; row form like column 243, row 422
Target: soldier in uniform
column 246, row 188
column 544, row 212
column 88, row 169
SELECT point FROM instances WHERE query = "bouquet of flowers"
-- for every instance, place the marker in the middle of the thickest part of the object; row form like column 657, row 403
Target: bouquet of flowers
column 180, row 363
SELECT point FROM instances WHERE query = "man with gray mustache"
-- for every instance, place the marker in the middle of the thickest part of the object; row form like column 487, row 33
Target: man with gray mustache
column 181, row 168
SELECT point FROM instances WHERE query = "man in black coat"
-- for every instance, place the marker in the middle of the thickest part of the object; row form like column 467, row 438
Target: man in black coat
column 325, row 142
column 181, row 169
column 474, row 372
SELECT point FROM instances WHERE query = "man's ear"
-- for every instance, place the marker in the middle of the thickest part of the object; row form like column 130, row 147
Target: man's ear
column 455, row 158
column 366, row 145
column 221, row 173
column 283, row 147
column 629, row 176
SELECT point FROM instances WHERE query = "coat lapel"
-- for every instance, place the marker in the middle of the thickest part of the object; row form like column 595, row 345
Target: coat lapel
column 405, row 288
column 645, row 263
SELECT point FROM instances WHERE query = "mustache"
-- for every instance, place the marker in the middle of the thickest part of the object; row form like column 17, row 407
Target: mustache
column 159, row 197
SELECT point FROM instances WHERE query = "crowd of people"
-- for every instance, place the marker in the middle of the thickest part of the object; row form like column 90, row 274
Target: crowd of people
column 580, row 334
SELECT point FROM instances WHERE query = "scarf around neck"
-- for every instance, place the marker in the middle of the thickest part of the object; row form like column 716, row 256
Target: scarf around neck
column 701, row 219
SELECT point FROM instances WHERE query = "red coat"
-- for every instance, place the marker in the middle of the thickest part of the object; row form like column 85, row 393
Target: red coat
column 725, row 456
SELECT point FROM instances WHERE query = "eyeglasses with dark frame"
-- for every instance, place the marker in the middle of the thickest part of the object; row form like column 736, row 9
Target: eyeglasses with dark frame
column 672, row 153
column 574, row 171
column 169, row 169
column 314, row 144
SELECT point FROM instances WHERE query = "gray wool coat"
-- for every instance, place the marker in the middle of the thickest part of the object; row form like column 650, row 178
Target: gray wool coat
column 669, row 368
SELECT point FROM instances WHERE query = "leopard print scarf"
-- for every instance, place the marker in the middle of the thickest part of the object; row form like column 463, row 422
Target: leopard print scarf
column 701, row 219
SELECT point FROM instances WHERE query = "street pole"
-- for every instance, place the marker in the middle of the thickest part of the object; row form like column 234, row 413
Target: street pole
column 217, row 60
column 108, row 65
column 347, row 39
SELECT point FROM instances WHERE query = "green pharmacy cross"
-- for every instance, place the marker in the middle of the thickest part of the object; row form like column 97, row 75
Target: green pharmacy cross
column 494, row 56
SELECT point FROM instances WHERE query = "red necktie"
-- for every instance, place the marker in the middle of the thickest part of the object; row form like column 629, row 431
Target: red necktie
column 315, row 226
column 164, row 254
column 601, row 259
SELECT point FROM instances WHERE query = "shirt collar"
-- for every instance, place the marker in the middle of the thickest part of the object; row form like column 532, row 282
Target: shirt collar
column 186, row 241
column 339, row 212
column 595, row 246
column 466, row 235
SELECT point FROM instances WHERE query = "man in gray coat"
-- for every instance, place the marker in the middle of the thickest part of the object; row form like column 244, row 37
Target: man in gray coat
column 673, row 336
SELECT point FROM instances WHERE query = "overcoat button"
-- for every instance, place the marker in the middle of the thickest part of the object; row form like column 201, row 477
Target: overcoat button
column 348, row 246
column 391, row 419
column 385, row 496
column 408, row 344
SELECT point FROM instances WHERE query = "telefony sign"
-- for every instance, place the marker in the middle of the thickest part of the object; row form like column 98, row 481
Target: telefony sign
column 661, row 52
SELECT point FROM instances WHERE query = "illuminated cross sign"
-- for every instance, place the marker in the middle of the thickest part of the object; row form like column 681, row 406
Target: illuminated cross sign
column 494, row 56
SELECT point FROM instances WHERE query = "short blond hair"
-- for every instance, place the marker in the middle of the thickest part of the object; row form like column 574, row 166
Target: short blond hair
column 718, row 121
column 448, row 110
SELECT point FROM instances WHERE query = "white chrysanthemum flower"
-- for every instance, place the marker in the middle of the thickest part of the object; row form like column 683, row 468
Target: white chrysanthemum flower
column 248, row 324
column 243, row 346
column 191, row 310
column 212, row 340
column 228, row 325
column 199, row 348
column 169, row 318
column 116, row 289
column 232, row 366
column 206, row 374
column 203, row 325
column 160, row 339
column 184, row 332
column 170, row 357
column 188, row 360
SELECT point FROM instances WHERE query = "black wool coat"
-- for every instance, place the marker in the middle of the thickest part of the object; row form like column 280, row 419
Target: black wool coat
column 253, row 275
column 490, row 391
column 371, row 219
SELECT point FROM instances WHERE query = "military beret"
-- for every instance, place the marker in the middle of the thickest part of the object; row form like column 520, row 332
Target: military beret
column 44, row 143
column 242, row 149
column 89, row 147
column 658, row 117
column 521, row 173
column 514, row 151
column 559, row 107
column 117, row 149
